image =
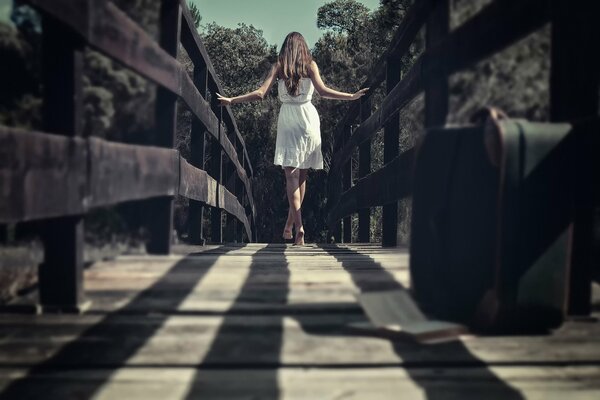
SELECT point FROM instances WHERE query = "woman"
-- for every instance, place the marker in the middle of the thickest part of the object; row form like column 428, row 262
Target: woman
column 298, row 143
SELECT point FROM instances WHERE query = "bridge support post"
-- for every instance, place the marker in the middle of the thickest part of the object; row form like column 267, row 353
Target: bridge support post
column 160, row 210
column 436, row 87
column 574, row 82
column 347, row 184
column 364, row 168
column 197, row 150
column 216, row 171
column 60, row 276
column 391, row 145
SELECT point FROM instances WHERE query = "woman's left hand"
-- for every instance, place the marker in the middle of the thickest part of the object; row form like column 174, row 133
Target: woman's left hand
column 225, row 101
column 359, row 94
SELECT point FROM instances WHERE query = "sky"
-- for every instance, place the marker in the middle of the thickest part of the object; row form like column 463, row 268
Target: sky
column 276, row 18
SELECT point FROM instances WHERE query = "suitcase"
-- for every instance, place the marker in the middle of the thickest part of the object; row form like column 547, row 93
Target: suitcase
column 492, row 223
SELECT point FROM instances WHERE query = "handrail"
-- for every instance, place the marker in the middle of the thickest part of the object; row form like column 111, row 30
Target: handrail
column 111, row 31
column 495, row 27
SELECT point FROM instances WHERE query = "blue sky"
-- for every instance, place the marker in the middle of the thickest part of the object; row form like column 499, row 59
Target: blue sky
column 276, row 18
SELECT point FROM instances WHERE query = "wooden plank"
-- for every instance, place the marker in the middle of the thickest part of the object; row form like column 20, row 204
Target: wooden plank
column 124, row 172
column 574, row 82
column 395, row 311
column 391, row 148
column 43, row 175
column 390, row 183
column 196, row 184
column 497, row 26
column 216, row 171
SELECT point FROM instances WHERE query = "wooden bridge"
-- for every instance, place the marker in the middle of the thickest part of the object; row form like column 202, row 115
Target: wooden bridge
column 239, row 319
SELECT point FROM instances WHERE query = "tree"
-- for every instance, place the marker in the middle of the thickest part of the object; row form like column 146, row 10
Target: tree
column 195, row 14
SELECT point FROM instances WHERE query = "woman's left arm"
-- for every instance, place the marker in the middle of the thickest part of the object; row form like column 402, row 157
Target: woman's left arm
column 257, row 94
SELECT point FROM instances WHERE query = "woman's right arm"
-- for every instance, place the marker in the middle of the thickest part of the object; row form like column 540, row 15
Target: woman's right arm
column 257, row 94
column 329, row 93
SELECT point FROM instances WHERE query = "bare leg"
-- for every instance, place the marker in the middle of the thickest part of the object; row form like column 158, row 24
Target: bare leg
column 289, row 223
column 292, row 178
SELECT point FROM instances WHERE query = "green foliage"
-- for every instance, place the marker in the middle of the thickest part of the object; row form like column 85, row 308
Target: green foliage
column 195, row 14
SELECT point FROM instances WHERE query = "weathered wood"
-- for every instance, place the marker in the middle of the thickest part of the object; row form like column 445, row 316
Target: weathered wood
column 43, row 175
column 197, row 156
column 346, row 185
column 364, row 168
column 124, row 172
column 112, row 32
column 497, row 26
column 574, row 82
column 436, row 84
column 216, row 171
column 160, row 210
column 259, row 320
column 390, row 183
column 60, row 277
column 196, row 184
column 190, row 39
column 403, row 38
column 391, row 148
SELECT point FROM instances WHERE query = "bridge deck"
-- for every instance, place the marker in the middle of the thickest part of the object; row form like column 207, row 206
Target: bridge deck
column 269, row 321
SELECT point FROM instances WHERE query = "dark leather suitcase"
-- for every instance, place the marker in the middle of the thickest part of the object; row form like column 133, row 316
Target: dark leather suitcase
column 492, row 223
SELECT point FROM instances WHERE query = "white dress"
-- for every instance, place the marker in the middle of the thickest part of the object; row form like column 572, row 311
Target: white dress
column 298, row 142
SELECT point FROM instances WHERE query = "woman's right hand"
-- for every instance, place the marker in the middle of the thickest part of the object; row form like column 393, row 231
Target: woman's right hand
column 359, row 94
column 224, row 101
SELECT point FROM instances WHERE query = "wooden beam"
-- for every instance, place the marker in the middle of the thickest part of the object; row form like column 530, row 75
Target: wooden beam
column 574, row 83
column 384, row 186
column 497, row 26
column 191, row 41
column 197, row 150
column 436, row 84
column 160, row 210
column 60, row 277
column 403, row 38
column 216, row 171
column 364, row 168
column 123, row 172
column 113, row 33
column 346, row 185
column 391, row 146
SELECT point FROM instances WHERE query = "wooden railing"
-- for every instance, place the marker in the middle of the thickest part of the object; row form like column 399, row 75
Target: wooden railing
column 573, row 94
column 58, row 175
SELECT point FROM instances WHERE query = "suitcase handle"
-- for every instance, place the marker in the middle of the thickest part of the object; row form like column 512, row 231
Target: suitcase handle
column 490, row 117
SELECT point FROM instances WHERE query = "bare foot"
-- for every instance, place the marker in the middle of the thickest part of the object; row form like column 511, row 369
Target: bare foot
column 299, row 238
column 287, row 232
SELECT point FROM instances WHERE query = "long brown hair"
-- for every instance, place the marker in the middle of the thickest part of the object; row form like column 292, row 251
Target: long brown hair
column 294, row 61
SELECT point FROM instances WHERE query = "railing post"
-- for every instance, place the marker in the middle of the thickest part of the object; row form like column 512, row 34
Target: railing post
column 391, row 144
column 364, row 169
column 197, row 150
column 347, row 184
column 239, row 193
column 61, row 274
column 229, row 174
column 436, row 87
column 160, row 224
column 574, row 81
column 216, row 171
